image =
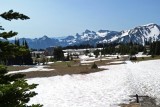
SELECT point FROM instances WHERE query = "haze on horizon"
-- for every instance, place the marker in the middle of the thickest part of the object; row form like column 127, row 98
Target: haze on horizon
column 68, row 17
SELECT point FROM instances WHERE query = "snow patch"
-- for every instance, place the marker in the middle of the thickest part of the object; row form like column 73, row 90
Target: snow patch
column 35, row 68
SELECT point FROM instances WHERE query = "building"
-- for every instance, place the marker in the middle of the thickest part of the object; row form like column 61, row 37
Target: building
column 80, row 51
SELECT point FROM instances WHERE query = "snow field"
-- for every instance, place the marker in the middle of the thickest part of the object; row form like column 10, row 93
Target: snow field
column 93, row 90
column 107, row 88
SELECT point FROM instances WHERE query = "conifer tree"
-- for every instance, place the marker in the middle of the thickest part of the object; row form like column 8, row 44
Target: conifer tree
column 27, row 57
column 96, row 53
column 68, row 57
column 144, row 51
column 58, row 54
column 18, row 59
column 14, row 90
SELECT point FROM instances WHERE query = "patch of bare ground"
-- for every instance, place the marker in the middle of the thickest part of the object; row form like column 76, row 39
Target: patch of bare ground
column 69, row 67
column 131, row 105
column 62, row 68
column 17, row 68
column 144, row 102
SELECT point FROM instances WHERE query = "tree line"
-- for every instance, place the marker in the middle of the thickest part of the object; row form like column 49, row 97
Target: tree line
column 23, row 58
column 155, row 48
column 152, row 48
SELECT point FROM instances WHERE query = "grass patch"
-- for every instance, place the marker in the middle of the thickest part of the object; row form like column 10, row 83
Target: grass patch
column 131, row 105
column 68, row 67
column 147, row 58
column 17, row 68
column 71, row 67
column 63, row 68
column 74, row 67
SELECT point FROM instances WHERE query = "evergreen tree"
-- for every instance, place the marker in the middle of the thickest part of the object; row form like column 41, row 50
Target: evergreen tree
column 144, row 51
column 58, row 54
column 68, row 57
column 14, row 90
column 87, row 52
column 96, row 53
column 18, row 59
column 155, row 48
column 27, row 58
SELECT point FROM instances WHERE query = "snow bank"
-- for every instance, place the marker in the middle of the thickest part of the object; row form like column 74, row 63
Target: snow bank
column 117, row 62
column 84, row 62
column 50, row 62
column 86, row 59
column 101, row 89
column 140, row 54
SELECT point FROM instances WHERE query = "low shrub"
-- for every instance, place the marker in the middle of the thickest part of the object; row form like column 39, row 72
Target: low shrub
column 133, row 58
column 94, row 66
column 68, row 65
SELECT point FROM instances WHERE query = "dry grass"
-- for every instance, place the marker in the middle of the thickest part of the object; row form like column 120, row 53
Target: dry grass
column 147, row 58
column 70, row 67
column 17, row 68
column 62, row 68
column 131, row 105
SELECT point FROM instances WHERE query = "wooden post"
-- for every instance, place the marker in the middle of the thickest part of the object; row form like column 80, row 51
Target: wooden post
column 137, row 99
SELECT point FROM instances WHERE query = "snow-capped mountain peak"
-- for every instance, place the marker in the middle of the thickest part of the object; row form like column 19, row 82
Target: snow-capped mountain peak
column 44, row 37
column 140, row 34
column 87, row 31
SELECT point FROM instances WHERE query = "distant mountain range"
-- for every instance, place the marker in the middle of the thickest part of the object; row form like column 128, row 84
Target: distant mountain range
column 139, row 34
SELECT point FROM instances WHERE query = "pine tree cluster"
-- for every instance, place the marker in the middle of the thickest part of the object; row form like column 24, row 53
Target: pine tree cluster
column 155, row 48
column 58, row 54
column 123, row 49
column 24, row 57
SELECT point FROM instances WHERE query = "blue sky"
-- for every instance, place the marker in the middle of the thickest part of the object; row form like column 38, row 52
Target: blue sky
column 68, row 17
